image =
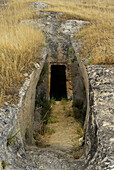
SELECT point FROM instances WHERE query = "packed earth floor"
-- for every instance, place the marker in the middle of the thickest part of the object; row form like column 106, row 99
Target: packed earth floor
column 63, row 131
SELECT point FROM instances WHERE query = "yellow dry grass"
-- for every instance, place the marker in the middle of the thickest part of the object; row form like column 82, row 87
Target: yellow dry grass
column 97, row 37
column 20, row 47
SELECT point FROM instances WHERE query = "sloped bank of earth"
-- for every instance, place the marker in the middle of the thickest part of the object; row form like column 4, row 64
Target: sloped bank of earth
column 99, row 141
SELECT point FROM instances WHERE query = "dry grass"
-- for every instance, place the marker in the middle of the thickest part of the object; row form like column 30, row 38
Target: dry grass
column 20, row 47
column 97, row 38
column 65, row 131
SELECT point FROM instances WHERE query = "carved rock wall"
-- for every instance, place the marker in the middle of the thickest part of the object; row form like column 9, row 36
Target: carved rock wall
column 20, row 118
column 99, row 140
column 99, row 122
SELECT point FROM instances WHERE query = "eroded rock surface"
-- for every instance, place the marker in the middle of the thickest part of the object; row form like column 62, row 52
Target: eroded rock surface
column 39, row 5
column 2, row 3
column 100, row 130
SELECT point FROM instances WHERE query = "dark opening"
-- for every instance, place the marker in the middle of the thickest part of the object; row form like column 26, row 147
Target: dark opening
column 58, row 82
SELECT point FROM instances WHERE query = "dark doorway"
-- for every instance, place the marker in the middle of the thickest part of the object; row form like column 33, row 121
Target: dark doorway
column 58, row 82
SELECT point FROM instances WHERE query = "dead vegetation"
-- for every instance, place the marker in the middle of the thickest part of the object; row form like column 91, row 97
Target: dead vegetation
column 20, row 45
column 62, row 130
column 20, row 48
column 97, row 38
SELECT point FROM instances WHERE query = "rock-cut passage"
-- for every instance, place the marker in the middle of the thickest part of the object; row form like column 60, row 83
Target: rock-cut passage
column 62, row 131
column 58, row 82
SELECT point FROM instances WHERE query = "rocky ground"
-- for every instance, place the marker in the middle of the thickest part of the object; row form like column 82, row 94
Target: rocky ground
column 101, row 121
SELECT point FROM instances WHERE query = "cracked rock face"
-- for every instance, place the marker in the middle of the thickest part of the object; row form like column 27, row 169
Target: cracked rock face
column 100, row 131
column 99, row 140
column 3, row 3
column 70, row 27
column 39, row 5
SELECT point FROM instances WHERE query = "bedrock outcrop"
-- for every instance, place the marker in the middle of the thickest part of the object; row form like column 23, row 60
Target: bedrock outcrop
column 99, row 137
column 99, row 128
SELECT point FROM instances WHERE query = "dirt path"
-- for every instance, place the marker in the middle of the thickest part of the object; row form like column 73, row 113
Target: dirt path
column 63, row 130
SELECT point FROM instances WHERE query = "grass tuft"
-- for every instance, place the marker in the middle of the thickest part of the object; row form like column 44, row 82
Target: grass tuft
column 63, row 101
